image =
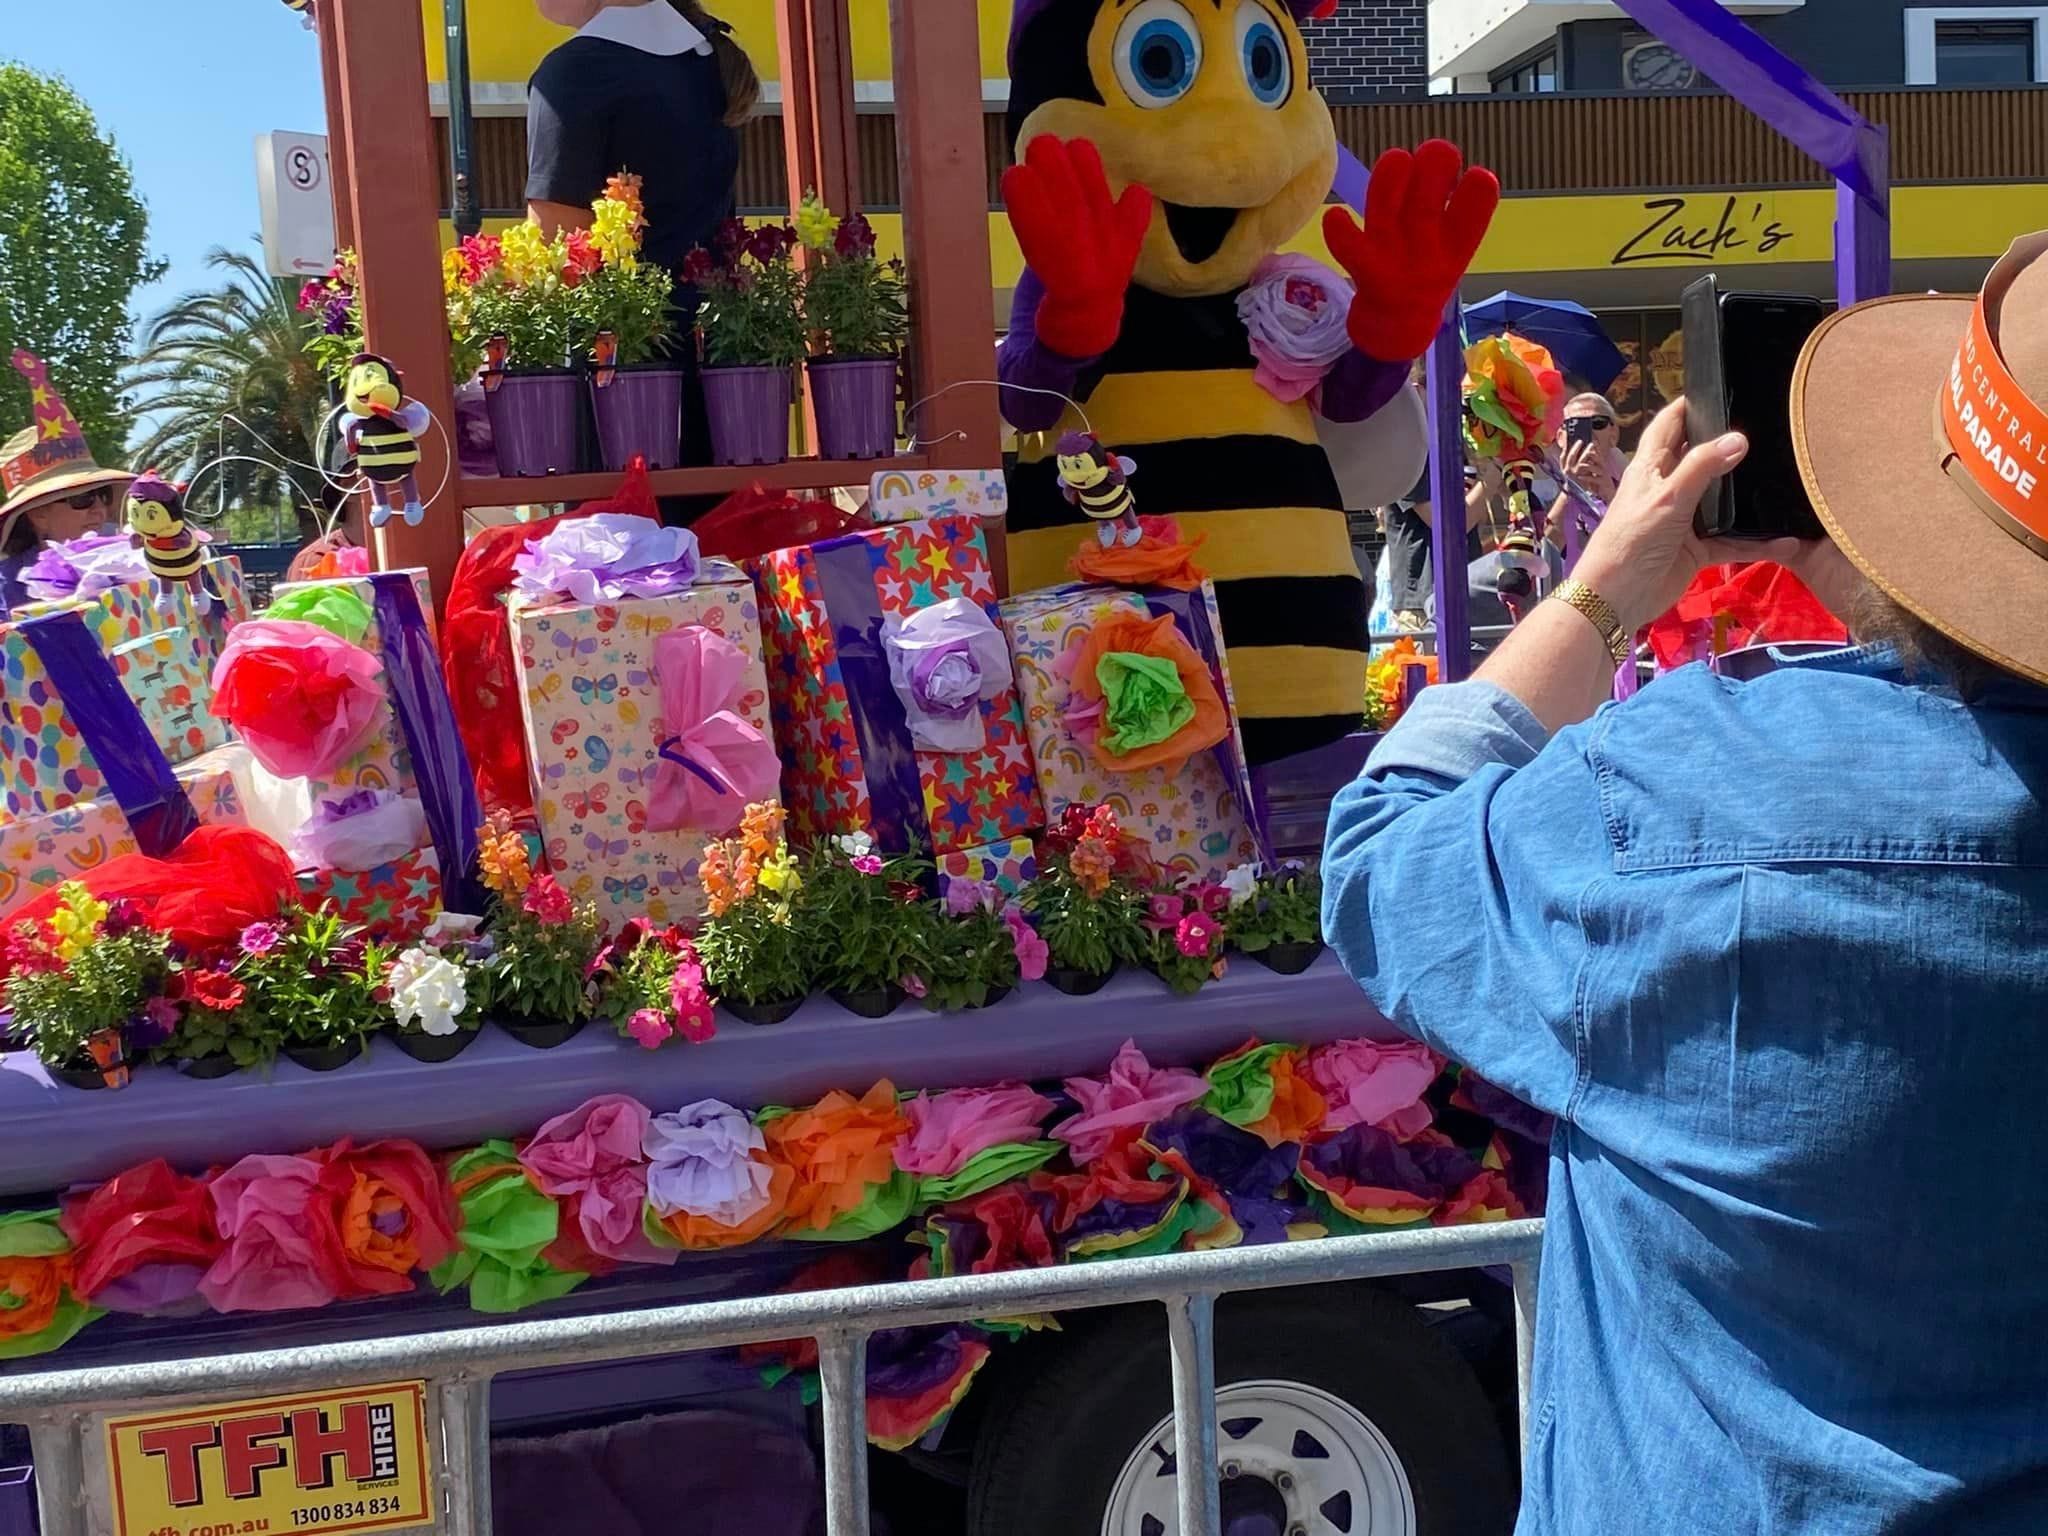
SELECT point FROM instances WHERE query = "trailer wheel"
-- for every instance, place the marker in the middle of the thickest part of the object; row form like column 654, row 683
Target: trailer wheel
column 1339, row 1414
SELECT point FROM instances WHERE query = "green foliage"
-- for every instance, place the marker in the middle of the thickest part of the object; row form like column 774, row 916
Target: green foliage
column 756, row 951
column 317, row 988
column 205, row 1032
column 536, row 320
column 641, row 979
column 1090, row 934
column 1284, row 908
column 860, row 926
column 752, row 313
column 962, row 960
column 854, row 306
column 538, row 970
column 96, row 981
column 73, row 250
column 225, row 378
column 636, row 306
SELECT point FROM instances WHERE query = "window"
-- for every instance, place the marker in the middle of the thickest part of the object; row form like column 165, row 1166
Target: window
column 1976, row 45
column 1983, row 52
column 1536, row 73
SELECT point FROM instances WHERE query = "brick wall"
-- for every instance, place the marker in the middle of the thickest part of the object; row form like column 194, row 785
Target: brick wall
column 1371, row 48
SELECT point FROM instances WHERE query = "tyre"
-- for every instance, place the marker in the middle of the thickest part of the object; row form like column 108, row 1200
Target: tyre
column 1339, row 1412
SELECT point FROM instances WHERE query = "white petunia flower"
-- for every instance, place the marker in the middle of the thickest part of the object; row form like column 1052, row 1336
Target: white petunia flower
column 429, row 989
column 855, row 845
column 1243, row 883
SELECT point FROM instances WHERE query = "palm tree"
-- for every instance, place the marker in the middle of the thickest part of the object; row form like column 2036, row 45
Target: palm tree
column 223, row 378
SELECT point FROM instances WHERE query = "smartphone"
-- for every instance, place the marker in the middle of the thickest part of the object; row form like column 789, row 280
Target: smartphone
column 1741, row 350
column 1581, row 429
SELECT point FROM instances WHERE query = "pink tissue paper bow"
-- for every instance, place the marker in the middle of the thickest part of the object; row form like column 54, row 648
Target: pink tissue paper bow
column 592, row 1156
column 270, row 1264
column 1369, row 1082
column 714, row 763
column 1294, row 310
column 1132, row 1096
column 947, row 1130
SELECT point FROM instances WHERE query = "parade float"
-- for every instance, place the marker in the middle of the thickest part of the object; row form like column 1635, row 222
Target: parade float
column 592, row 916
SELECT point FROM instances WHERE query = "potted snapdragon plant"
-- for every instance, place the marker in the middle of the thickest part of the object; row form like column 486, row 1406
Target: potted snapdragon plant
column 85, row 989
column 1277, row 918
column 511, row 299
column 1087, row 907
column 751, row 326
column 534, row 972
column 856, row 916
column 855, row 313
column 757, row 960
column 625, row 321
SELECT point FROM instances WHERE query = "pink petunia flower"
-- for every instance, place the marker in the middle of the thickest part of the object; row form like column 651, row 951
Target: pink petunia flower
column 650, row 1027
column 261, row 938
column 1195, row 935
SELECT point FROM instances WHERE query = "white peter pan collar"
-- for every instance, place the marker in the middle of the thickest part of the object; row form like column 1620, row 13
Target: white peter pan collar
column 655, row 27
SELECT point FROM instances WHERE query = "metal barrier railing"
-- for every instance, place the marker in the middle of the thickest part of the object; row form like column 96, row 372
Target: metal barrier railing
column 59, row 1405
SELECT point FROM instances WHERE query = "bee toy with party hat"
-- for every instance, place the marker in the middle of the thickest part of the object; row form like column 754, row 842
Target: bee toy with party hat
column 1167, row 150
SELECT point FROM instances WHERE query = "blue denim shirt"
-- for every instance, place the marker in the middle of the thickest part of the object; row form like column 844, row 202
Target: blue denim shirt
column 1776, row 955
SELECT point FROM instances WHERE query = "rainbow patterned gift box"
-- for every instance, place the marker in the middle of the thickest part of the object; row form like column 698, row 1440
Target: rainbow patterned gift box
column 592, row 707
column 393, row 902
column 41, row 851
column 848, row 762
column 899, row 496
column 1195, row 820
column 44, row 763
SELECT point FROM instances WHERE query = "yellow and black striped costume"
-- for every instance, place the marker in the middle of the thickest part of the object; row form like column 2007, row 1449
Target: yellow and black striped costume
column 1226, row 459
column 385, row 451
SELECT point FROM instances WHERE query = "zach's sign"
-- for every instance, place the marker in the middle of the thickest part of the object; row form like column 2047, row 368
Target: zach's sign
column 1702, row 229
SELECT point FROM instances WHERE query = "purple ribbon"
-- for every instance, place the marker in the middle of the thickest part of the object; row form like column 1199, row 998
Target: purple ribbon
column 718, row 782
column 853, row 608
column 412, row 672
column 138, row 774
column 1191, row 618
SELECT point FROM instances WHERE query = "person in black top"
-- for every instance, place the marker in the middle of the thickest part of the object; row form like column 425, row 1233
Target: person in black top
column 657, row 88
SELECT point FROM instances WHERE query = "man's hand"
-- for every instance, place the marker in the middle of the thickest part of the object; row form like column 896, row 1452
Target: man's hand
column 1425, row 215
column 1644, row 554
column 1586, row 465
column 1082, row 244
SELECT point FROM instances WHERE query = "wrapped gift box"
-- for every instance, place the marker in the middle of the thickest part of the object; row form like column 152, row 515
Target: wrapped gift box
column 1008, row 866
column 45, row 765
column 899, row 496
column 41, row 851
column 848, row 760
column 1197, row 819
column 393, row 902
column 592, row 707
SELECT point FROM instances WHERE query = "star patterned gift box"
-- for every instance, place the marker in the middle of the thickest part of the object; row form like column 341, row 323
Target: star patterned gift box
column 1193, row 819
column 849, row 763
column 591, row 701
column 393, row 902
column 41, row 851
column 45, row 765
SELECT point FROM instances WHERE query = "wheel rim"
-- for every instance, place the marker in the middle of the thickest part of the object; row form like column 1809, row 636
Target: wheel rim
column 1306, row 1464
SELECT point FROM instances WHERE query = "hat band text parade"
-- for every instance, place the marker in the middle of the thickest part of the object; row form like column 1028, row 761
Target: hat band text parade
column 1993, row 436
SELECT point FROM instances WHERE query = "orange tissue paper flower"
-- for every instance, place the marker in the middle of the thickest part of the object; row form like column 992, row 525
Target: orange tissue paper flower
column 837, row 1148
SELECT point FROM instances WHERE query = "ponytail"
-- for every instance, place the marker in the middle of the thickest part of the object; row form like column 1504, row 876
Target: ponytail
column 735, row 69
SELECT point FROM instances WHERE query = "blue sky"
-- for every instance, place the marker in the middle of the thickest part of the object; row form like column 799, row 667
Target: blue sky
column 183, row 87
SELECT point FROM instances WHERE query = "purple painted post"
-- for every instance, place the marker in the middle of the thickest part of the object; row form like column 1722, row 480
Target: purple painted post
column 17, row 1501
column 1803, row 111
column 1446, row 382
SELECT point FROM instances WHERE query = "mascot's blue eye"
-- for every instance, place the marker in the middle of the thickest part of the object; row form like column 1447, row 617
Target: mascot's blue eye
column 1267, row 68
column 1158, row 53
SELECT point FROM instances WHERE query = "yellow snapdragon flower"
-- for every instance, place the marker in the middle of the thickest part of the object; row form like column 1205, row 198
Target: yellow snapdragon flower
column 529, row 258
column 614, row 232
column 815, row 223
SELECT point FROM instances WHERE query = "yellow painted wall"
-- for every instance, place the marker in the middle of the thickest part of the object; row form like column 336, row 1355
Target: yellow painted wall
column 507, row 38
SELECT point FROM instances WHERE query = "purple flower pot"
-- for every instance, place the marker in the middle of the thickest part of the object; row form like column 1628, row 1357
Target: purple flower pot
column 534, row 417
column 17, row 1501
column 855, row 399
column 749, row 411
column 640, row 411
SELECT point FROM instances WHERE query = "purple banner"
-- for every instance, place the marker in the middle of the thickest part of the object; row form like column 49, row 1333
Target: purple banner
column 853, row 608
column 138, row 775
column 412, row 673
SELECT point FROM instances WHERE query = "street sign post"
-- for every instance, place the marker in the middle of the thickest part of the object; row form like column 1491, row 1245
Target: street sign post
column 293, row 187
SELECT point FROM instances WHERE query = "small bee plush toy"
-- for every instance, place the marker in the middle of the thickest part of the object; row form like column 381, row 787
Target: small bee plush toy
column 171, row 547
column 381, row 430
column 1093, row 479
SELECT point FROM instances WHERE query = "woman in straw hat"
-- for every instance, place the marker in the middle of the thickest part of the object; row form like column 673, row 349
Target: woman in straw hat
column 1773, row 953
column 54, row 490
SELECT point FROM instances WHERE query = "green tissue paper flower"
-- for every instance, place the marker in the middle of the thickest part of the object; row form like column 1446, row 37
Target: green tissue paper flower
column 1144, row 700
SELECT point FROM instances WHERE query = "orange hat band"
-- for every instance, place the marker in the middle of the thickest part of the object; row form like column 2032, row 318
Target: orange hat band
column 1993, row 437
column 44, row 455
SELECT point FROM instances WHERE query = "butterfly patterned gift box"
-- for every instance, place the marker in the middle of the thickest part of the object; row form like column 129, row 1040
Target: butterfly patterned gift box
column 594, row 728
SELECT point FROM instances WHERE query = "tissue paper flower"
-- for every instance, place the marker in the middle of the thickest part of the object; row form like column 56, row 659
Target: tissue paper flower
column 1372, row 1082
column 705, row 1159
column 1251, row 1181
column 507, row 1228
column 1294, row 312
column 38, row 1309
column 947, row 1129
column 361, row 831
column 840, row 1150
column 1297, row 1111
column 390, row 1214
column 143, row 1239
column 592, row 1158
column 81, row 568
column 301, row 698
column 604, row 557
column 273, row 1262
column 429, row 990
column 1005, row 1228
column 1374, row 1181
column 1140, row 695
column 1132, row 1096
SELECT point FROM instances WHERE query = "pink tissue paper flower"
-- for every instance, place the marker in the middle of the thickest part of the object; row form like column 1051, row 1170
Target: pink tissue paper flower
column 949, row 1128
column 1131, row 1097
column 592, row 1156
column 1370, row 1082
column 262, row 1206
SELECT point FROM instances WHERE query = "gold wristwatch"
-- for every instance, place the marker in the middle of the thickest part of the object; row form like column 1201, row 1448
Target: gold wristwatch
column 1598, row 612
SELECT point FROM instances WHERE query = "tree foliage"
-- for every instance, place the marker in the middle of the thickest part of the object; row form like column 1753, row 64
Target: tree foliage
column 72, row 253
column 224, row 375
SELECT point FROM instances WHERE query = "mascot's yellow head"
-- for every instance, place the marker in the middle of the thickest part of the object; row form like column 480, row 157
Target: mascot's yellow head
column 371, row 384
column 1205, row 102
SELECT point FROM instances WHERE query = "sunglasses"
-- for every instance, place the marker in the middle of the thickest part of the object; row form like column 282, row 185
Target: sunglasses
column 1592, row 423
column 85, row 501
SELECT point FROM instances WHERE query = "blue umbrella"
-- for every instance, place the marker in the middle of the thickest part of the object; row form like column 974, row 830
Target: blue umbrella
column 1571, row 332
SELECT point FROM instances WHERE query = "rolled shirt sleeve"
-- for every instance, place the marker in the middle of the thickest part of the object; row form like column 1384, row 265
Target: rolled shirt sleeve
column 1456, row 873
column 567, row 135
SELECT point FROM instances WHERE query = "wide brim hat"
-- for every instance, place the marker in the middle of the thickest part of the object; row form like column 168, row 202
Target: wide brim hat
column 49, row 458
column 1920, row 424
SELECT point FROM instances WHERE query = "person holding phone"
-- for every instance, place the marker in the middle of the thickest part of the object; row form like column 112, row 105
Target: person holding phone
column 1589, row 449
column 1773, row 953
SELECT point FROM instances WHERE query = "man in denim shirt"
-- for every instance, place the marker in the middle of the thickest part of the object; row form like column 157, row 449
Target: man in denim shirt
column 1775, row 953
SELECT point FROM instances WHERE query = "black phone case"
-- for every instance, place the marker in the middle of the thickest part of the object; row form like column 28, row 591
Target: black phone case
column 1706, row 395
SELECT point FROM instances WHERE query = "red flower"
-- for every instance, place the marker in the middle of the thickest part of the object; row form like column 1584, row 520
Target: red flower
column 698, row 266
column 856, row 237
column 548, row 902
column 730, row 239
column 312, row 294
column 216, row 990
column 480, row 254
column 584, row 257
column 147, row 1215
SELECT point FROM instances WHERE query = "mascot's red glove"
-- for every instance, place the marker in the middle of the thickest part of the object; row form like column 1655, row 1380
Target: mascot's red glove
column 1425, row 215
column 1083, row 246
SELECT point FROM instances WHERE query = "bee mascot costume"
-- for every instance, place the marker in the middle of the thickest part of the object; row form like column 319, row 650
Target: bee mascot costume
column 1167, row 149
